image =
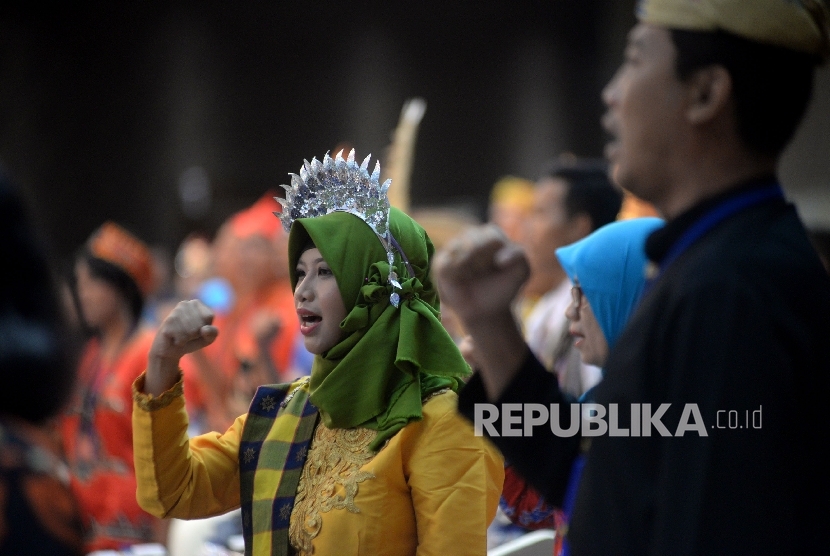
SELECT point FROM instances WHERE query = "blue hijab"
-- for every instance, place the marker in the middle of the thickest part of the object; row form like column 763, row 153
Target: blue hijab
column 609, row 266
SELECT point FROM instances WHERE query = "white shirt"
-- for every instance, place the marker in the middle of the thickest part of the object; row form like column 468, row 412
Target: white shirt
column 545, row 326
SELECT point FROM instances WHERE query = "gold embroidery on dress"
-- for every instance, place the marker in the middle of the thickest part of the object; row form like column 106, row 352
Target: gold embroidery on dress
column 335, row 459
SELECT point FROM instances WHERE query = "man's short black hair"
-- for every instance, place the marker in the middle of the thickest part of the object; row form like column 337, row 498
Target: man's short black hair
column 590, row 189
column 772, row 85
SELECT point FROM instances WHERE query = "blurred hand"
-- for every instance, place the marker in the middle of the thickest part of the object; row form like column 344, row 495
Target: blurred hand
column 479, row 273
column 186, row 328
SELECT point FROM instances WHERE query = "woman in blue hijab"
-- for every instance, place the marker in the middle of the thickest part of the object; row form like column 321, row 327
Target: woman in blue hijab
column 607, row 270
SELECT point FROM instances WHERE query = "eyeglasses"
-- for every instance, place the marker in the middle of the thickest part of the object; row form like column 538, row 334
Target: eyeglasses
column 576, row 296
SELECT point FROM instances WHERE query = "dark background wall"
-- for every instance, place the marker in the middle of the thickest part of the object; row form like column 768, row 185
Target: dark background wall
column 107, row 109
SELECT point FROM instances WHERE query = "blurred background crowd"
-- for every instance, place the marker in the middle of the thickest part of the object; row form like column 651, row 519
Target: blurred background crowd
column 170, row 116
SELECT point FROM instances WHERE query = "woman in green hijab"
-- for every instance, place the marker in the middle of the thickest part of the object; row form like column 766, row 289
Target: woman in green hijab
column 367, row 455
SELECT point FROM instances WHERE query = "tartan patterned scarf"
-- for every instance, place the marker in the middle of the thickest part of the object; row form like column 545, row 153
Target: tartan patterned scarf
column 275, row 442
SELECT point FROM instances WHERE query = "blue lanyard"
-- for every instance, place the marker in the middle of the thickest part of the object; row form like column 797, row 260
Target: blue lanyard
column 570, row 497
column 712, row 218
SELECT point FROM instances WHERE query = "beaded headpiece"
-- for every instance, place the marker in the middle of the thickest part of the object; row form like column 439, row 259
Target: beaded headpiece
column 340, row 185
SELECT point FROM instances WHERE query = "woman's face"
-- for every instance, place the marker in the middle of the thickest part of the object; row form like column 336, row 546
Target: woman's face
column 318, row 301
column 99, row 301
column 588, row 336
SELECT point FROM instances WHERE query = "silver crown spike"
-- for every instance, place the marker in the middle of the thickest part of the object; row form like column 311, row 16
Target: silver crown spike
column 296, row 182
column 316, row 167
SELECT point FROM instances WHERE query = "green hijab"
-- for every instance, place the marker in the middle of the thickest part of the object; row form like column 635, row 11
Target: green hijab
column 388, row 359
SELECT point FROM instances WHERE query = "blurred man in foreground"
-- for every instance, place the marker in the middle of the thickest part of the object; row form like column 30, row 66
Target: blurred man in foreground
column 735, row 317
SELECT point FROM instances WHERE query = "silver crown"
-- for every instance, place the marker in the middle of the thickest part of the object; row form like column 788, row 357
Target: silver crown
column 338, row 185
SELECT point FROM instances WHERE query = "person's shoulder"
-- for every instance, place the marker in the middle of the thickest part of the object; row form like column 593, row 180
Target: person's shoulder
column 760, row 263
column 765, row 235
column 759, row 249
column 439, row 404
column 440, row 415
column 439, row 409
column 443, row 427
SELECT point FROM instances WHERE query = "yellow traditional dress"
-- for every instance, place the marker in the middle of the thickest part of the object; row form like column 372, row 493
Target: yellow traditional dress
column 432, row 489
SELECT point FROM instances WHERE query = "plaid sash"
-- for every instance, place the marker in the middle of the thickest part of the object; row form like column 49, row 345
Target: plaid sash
column 272, row 453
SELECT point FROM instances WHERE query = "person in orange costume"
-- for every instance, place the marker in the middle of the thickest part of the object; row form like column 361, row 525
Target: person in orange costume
column 259, row 333
column 112, row 274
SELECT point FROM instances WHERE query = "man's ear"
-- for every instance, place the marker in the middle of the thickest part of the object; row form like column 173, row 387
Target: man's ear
column 710, row 92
